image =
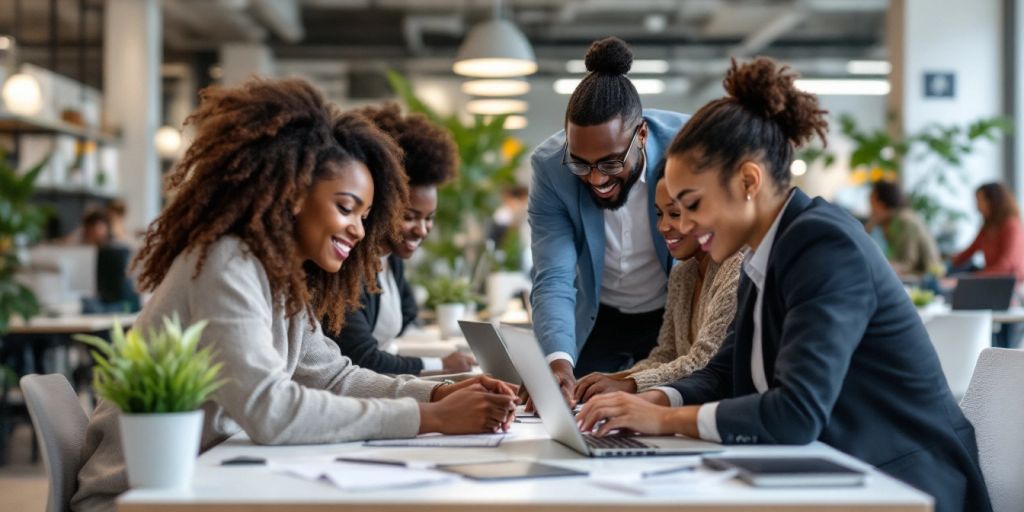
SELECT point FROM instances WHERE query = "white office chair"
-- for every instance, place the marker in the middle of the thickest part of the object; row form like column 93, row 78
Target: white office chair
column 959, row 337
column 60, row 423
column 994, row 406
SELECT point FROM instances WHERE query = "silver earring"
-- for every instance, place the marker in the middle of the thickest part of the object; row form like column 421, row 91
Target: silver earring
column 748, row 198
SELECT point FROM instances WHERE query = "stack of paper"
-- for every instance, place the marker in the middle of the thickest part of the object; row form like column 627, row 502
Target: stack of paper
column 366, row 477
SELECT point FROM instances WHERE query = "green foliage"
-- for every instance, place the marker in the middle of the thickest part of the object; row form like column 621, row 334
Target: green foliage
column 942, row 148
column 449, row 290
column 510, row 255
column 21, row 222
column 489, row 158
column 920, row 297
column 161, row 373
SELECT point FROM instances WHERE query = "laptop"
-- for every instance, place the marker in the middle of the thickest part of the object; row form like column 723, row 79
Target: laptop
column 485, row 342
column 558, row 420
column 984, row 292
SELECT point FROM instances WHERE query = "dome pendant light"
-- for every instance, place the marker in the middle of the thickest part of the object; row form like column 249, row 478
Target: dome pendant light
column 495, row 49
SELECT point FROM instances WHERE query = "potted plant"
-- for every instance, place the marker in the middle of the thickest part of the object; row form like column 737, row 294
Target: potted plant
column 158, row 381
column 449, row 298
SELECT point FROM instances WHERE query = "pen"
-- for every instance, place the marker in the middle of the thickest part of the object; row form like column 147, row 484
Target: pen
column 667, row 471
column 372, row 461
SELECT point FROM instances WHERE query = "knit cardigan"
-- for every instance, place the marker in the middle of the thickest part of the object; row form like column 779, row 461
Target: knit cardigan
column 677, row 355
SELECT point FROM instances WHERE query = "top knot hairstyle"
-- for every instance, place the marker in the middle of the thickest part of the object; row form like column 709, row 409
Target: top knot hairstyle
column 258, row 150
column 606, row 92
column 763, row 116
column 431, row 156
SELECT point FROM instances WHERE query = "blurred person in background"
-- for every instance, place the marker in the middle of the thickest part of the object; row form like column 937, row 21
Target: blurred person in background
column 911, row 249
column 1001, row 237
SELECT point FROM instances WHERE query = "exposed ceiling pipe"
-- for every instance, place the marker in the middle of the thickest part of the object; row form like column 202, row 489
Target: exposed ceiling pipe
column 415, row 25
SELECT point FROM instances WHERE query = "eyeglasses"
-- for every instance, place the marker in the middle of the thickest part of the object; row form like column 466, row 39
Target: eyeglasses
column 609, row 167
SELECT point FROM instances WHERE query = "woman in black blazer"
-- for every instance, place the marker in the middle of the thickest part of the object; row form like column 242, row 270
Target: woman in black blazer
column 826, row 344
column 430, row 160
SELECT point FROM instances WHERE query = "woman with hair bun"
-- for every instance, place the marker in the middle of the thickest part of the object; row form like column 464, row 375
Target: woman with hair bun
column 281, row 208
column 601, row 265
column 826, row 344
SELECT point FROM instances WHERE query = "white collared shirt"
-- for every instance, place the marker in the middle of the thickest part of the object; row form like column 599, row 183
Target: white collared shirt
column 755, row 266
column 633, row 280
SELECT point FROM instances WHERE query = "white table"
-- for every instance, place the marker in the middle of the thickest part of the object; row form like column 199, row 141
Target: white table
column 218, row 488
column 1014, row 315
column 72, row 324
column 427, row 342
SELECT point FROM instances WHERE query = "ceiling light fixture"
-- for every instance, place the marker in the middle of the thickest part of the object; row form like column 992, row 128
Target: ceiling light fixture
column 639, row 67
column 643, row 85
column 843, row 87
column 496, row 106
column 496, row 87
column 868, row 67
column 495, row 49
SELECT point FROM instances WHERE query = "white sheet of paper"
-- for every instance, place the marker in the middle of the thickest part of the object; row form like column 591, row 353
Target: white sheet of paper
column 443, row 441
column 366, row 477
column 665, row 485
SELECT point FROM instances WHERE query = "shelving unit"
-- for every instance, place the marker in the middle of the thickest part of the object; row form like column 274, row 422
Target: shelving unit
column 10, row 123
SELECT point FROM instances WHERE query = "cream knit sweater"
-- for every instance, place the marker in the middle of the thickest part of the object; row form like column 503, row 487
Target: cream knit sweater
column 676, row 355
column 286, row 382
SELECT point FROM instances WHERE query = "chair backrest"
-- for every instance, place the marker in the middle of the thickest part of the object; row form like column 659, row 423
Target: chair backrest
column 994, row 406
column 959, row 337
column 60, row 423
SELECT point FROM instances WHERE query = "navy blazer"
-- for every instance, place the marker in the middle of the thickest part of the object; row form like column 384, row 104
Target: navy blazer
column 356, row 337
column 848, row 362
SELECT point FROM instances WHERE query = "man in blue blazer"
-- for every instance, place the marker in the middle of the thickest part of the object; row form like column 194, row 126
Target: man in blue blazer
column 600, row 268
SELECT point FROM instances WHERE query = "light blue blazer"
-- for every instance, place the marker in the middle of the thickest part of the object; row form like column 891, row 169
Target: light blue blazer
column 568, row 238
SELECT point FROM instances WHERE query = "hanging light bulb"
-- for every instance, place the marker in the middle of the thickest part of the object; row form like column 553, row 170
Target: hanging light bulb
column 168, row 141
column 23, row 95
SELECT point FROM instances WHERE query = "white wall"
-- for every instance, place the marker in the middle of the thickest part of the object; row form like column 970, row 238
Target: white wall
column 966, row 38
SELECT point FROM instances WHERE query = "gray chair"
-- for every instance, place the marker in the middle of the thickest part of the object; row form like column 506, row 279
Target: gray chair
column 994, row 406
column 59, row 423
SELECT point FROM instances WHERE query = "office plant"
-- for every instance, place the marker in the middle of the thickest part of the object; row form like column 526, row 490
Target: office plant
column 158, row 380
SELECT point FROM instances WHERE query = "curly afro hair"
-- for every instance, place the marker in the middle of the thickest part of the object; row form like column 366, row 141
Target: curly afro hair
column 431, row 157
column 259, row 149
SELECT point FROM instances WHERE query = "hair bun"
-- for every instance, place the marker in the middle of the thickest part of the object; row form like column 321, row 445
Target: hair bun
column 767, row 89
column 609, row 56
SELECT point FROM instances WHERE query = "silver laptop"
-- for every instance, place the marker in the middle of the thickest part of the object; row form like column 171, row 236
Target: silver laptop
column 489, row 351
column 558, row 420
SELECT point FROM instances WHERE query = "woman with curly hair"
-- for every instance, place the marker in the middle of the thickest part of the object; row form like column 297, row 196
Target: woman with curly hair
column 271, row 227
column 431, row 159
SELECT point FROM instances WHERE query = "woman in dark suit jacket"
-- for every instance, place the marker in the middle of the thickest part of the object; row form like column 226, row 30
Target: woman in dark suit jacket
column 826, row 344
column 430, row 160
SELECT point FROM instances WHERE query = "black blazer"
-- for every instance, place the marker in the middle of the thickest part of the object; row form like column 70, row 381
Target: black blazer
column 356, row 337
column 848, row 362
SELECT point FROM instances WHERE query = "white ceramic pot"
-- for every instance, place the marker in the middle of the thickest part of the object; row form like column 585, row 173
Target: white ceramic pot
column 448, row 316
column 160, row 450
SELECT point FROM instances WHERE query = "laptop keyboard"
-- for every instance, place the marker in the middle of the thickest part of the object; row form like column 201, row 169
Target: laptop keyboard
column 615, row 443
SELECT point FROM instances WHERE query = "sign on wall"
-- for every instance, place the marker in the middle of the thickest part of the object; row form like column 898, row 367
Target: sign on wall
column 939, row 84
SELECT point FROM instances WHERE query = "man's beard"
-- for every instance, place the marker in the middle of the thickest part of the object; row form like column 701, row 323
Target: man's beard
column 624, row 187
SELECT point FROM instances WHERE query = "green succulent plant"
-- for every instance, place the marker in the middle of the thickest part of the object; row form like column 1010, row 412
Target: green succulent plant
column 161, row 372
